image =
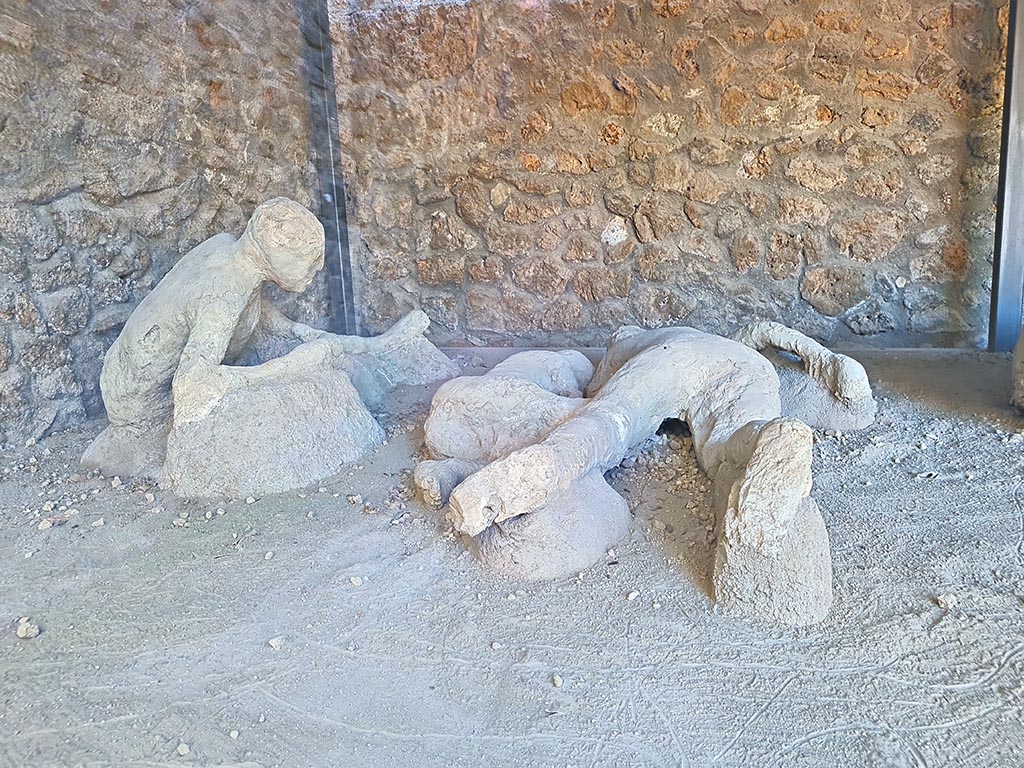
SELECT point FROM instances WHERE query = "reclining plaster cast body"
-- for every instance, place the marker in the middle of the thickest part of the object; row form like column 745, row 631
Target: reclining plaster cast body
column 522, row 490
column 179, row 413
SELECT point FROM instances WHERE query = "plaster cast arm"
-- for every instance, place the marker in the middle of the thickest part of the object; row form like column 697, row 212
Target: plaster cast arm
column 199, row 383
column 201, row 380
column 277, row 323
column 844, row 377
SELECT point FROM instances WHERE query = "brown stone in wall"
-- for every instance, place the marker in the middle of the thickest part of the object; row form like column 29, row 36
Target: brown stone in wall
column 657, row 217
column 784, row 28
column 562, row 315
column 734, row 100
column 832, row 58
column 705, row 187
column 525, row 211
column 597, row 94
column 656, row 307
column 745, row 253
column 579, row 194
column 757, row 164
column 497, row 311
column 536, row 127
column 668, row 9
column 816, row 175
column 709, row 150
column 671, row 173
column 870, row 236
column 876, row 117
column 801, row 209
column 684, row 57
column 623, row 203
column 934, row 68
column 472, row 203
column 937, row 18
column 935, row 169
column 543, row 275
column 611, row 134
column 838, row 20
column 571, row 162
column 883, row 44
column 656, row 264
column 783, row 259
column 446, row 234
column 581, row 248
column 599, row 283
column 833, row 290
column 882, row 185
column 486, row 269
column 886, row 85
column 441, row 270
column 621, row 253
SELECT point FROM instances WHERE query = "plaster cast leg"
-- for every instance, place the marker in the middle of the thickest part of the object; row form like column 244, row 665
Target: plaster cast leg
column 128, row 450
column 139, row 415
column 791, row 587
column 830, row 392
column 282, row 425
column 435, row 479
column 572, row 531
column 475, row 419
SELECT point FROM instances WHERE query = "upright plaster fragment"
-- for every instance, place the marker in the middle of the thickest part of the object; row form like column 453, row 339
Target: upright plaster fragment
column 521, row 462
column 212, row 390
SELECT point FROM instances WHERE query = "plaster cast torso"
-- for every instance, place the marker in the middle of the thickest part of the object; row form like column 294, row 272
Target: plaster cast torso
column 207, row 287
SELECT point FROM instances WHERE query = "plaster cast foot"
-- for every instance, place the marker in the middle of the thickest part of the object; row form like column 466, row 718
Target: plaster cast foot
column 822, row 388
column 570, row 532
column 764, row 498
column 507, row 488
column 793, row 586
column 403, row 355
column 128, row 451
column 435, row 480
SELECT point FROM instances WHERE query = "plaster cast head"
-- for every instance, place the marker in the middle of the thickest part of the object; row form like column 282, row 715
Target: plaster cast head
column 289, row 242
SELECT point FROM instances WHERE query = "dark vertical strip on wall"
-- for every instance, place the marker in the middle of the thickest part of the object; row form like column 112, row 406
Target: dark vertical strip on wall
column 323, row 105
column 1008, row 260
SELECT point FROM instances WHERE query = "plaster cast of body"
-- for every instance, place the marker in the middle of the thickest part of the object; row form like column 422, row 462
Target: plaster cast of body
column 523, row 462
column 179, row 410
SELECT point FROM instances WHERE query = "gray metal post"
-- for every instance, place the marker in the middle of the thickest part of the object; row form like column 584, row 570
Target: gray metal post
column 319, row 67
column 1008, row 261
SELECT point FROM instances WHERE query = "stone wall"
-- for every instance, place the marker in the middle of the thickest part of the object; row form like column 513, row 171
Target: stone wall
column 129, row 132
column 543, row 172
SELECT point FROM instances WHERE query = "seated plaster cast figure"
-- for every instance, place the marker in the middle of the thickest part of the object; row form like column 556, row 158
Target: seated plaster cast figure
column 181, row 412
column 524, row 509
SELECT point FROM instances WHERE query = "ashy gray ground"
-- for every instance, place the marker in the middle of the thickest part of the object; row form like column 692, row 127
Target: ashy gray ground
column 313, row 630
